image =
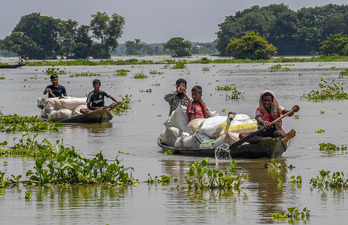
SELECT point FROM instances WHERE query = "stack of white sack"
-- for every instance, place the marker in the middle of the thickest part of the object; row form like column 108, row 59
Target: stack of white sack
column 61, row 108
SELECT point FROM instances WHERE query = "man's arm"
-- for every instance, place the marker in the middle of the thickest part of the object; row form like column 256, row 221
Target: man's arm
column 170, row 96
column 113, row 99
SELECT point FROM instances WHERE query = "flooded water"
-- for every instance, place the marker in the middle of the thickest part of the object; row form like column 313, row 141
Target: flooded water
column 136, row 132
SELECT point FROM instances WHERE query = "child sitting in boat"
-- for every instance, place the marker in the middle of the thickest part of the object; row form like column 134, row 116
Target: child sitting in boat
column 197, row 108
column 95, row 99
column 268, row 111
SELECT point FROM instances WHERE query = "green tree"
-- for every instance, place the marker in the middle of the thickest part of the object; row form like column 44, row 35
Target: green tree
column 35, row 36
column 83, row 42
column 251, row 46
column 133, row 47
column 106, row 30
column 335, row 44
column 178, row 46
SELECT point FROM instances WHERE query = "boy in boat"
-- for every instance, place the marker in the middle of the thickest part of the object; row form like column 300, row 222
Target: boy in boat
column 268, row 111
column 197, row 108
column 95, row 99
column 178, row 96
column 55, row 90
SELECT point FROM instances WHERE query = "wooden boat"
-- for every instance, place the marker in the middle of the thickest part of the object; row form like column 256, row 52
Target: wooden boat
column 10, row 66
column 98, row 116
column 273, row 148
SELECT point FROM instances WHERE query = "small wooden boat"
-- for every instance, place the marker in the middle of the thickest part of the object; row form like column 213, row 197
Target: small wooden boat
column 98, row 116
column 10, row 66
column 273, row 148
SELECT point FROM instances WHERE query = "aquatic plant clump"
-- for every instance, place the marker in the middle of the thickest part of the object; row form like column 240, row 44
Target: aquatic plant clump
column 325, row 180
column 88, row 74
column 122, row 72
column 16, row 123
column 71, row 167
column 332, row 147
column 54, row 70
column 327, row 91
column 343, row 73
column 292, row 215
column 140, row 76
column 201, row 177
column 124, row 106
column 235, row 95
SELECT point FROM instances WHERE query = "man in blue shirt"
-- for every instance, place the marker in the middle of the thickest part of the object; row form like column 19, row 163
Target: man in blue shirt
column 55, row 90
column 95, row 99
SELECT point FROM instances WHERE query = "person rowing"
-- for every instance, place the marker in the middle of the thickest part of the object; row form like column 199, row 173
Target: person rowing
column 268, row 111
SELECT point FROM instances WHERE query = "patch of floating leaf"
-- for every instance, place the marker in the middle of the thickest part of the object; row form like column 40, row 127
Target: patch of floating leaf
column 332, row 147
column 16, row 123
column 124, row 106
column 333, row 91
column 325, row 180
column 292, row 215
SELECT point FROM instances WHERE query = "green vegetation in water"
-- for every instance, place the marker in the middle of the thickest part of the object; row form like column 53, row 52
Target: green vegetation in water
column 88, row 74
column 226, row 87
column 140, row 76
column 332, row 147
column 9, row 182
column 322, row 112
column 180, row 65
column 2, row 78
column 148, row 90
column 163, row 180
column 122, row 72
column 201, row 177
column 205, row 69
column 168, row 152
column 54, row 70
column 235, row 95
column 156, row 84
column 296, row 117
column 275, row 165
column 296, row 179
column 71, row 167
column 28, row 195
column 327, row 92
column 325, row 180
column 277, row 67
column 292, row 215
column 16, row 123
column 28, row 146
column 155, row 72
column 343, row 73
column 320, row 131
column 124, row 106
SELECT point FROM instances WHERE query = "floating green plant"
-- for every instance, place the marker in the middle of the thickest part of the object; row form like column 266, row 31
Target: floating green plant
column 226, row 87
column 2, row 78
column 327, row 91
column 54, row 70
column 162, row 180
column 275, row 165
column 122, row 72
column 320, row 131
column 154, row 72
column 140, row 76
column 296, row 179
column 235, row 95
column 180, row 65
column 148, row 90
column 332, row 147
column 325, row 180
column 124, row 106
column 168, row 152
column 343, row 73
column 322, row 112
column 296, row 116
column 292, row 215
column 205, row 69
column 201, row 177
column 16, row 123
column 88, row 74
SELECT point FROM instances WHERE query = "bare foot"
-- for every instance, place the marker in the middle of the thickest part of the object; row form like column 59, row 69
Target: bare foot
column 289, row 135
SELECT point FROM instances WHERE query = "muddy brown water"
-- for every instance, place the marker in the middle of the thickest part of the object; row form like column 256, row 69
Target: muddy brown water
column 135, row 133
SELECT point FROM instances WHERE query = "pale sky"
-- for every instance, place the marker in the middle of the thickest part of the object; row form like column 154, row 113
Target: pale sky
column 151, row 21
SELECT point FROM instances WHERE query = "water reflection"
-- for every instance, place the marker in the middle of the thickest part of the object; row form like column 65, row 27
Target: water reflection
column 91, row 127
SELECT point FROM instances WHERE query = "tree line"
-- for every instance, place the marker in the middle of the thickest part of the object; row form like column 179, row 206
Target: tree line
column 253, row 33
column 291, row 32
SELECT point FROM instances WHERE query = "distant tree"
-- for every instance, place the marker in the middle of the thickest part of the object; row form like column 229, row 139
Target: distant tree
column 179, row 46
column 83, row 42
column 251, row 46
column 107, row 30
column 35, row 36
column 335, row 44
column 133, row 47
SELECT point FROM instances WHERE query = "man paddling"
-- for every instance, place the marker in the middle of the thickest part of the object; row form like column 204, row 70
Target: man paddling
column 268, row 111
column 55, row 90
column 95, row 99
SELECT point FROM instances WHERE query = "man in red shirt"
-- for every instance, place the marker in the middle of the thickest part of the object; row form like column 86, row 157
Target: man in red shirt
column 197, row 108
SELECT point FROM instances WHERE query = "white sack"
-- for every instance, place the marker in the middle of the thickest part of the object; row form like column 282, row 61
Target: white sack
column 76, row 111
column 193, row 125
column 170, row 135
column 211, row 124
column 240, row 123
column 178, row 118
column 72, row 103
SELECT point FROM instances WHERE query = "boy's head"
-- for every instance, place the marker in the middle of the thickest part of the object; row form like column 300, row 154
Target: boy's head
column 54, row 79
column 181, row 82
column 196, row 93
column 96, row 84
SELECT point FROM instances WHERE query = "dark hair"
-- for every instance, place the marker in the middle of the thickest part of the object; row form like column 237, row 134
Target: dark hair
column 53, row 76
column 267, row 94
column 179, row 81
column 197, row 88
column 96, row 81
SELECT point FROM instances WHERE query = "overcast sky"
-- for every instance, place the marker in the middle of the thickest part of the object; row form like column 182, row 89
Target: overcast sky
column 152, row 21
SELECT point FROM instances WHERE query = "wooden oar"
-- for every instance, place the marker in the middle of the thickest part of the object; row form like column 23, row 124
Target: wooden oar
column 53, row 95
column 247, row 138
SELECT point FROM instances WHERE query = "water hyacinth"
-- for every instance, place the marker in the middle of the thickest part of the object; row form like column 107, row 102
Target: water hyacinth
column 333, row 91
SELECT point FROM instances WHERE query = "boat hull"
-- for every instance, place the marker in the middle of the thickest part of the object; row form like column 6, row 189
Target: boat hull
column 266, row 149
column 10, row 66
column 98, row 116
